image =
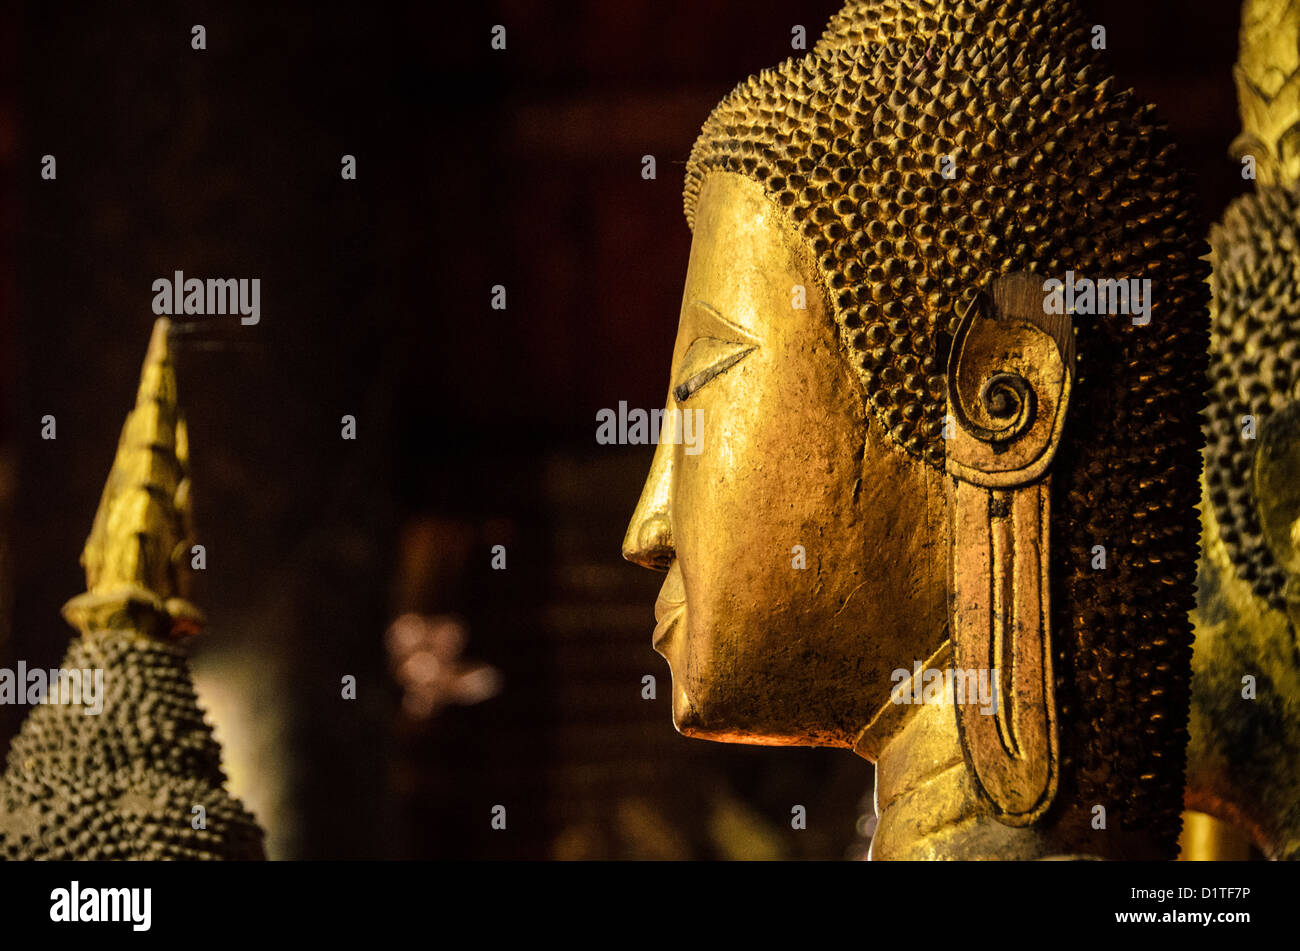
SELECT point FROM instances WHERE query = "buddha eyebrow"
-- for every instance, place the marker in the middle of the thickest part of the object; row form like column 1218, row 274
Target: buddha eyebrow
column 712, row 313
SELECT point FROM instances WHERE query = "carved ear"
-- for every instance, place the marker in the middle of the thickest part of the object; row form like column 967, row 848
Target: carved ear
column 1276, row 487
column 1009, row 379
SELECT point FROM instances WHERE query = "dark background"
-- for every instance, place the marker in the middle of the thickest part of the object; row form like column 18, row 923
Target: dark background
column 475, row 426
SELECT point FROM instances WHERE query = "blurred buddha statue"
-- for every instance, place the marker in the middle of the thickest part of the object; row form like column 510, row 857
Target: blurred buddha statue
column 1244, row 757
column 919, row 461
column 120, row 764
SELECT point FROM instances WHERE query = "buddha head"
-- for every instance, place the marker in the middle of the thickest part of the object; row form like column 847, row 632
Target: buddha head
column 906, row 452
column 119, row 776
column 1243, row 767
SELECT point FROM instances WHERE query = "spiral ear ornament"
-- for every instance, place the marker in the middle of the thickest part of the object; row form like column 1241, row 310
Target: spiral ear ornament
column 1006, row 404
column 1009, row 379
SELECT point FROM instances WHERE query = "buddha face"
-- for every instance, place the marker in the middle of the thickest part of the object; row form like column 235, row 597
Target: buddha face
column 804, row 550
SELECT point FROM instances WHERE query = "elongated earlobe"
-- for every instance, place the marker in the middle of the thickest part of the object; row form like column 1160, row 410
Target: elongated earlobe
column 1009, row 379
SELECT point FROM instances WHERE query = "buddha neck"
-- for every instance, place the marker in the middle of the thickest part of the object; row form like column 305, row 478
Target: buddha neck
column 925, row 795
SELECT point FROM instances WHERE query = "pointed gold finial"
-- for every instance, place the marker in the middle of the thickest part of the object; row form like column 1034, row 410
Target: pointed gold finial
column 136, row 556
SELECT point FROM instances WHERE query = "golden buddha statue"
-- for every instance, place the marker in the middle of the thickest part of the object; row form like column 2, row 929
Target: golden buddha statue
column 126, row 766
column 911, row 461
column 1243, row 771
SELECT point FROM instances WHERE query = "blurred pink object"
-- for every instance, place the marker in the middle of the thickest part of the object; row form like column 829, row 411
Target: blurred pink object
column 424, row 654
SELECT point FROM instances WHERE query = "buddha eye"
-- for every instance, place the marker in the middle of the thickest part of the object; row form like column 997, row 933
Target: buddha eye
column 707, row 358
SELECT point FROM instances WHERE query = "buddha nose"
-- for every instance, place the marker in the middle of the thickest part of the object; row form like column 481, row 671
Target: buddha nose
column 649, row 538
column 649, row 543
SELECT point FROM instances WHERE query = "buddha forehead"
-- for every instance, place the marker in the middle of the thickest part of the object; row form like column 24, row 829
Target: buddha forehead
column 745, row 261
